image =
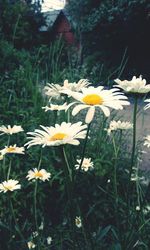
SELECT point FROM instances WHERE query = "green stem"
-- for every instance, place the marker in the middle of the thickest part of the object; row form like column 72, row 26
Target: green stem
column 67, row 164
column 9, row 169
column 35, row 205
column 116, row 151
column 84, row 147
column 15, row 220
column 133, row 148
column 69, row 188
column 134, row 137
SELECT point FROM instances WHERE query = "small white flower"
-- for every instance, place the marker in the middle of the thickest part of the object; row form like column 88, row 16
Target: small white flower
column 12, row 150
column 146, row 210
column 115, row 125
column 92, row 98
column 54, row 107
column 9, row 185
column 38, row 174
column 10, row 130
column 78, row 221
column 41, row 226
column 35, row 234
column 49, row 240
column 65, row 133
column 147, row 141
column 137, row 208
column 86, row 164
column 147, row 105
column 136, row 85
column 31, row 245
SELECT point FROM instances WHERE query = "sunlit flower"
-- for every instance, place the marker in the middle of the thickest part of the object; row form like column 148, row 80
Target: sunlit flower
column 147, row 105
column 86, row 164
column 12, row 150
column 31, row 245
column 9, row 185
column 54, row 107
column 66, row 133
column 115, row 125
column 136, row 85
column 38, row 174
column 55, row 90
column 10, row 130
column 49, row 240
column 147, row 141
column 78, row 221
column 98, row 97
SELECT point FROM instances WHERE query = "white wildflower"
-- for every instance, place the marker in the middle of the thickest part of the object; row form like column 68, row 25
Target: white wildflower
column 66, row 133
column 9, row 185
column 136, row 85
column 86, row 164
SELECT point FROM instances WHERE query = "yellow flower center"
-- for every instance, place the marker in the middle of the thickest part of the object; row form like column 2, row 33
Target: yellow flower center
column 10, row 149
column 58, row 136
column 93, row 99
column 38, row 175
column 8, row 188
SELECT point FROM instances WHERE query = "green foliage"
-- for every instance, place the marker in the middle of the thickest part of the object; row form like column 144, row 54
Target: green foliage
column 110, row 27
column 20, row 23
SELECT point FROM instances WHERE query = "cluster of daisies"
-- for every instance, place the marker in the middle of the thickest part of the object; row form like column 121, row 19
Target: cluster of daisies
column 10, row 184
column 80, row 96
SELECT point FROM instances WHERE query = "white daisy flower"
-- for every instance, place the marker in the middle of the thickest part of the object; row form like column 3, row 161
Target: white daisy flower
column 38, row 174
column 147, row 105
column 55, row 90
column 136, row 85
column 78, row 221
column 65, row 133
column 147, row 141
column 9, row 185
column 10, row 130
column 12, row 150
column 54, row 107
column 98, row 97
column 31, row 245
column 115, row 125
column 76, row 86
column 86, row 164
column 49, row 240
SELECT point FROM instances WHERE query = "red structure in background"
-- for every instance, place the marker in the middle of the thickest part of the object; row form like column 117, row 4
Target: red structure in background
column 62, row 27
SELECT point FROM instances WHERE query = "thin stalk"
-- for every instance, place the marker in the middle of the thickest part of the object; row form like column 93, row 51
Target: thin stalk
column 69, row 188
column 15, row 220
column 35, row 205
column 84, row 147
column 134, row 137
column 9, row 169
column 67, row 164
column 116, row 152
column 133, row 145
column 35, row 198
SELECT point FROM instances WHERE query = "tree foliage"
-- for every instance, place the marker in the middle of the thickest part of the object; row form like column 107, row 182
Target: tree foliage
column 111, row 26
column 20, row 21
